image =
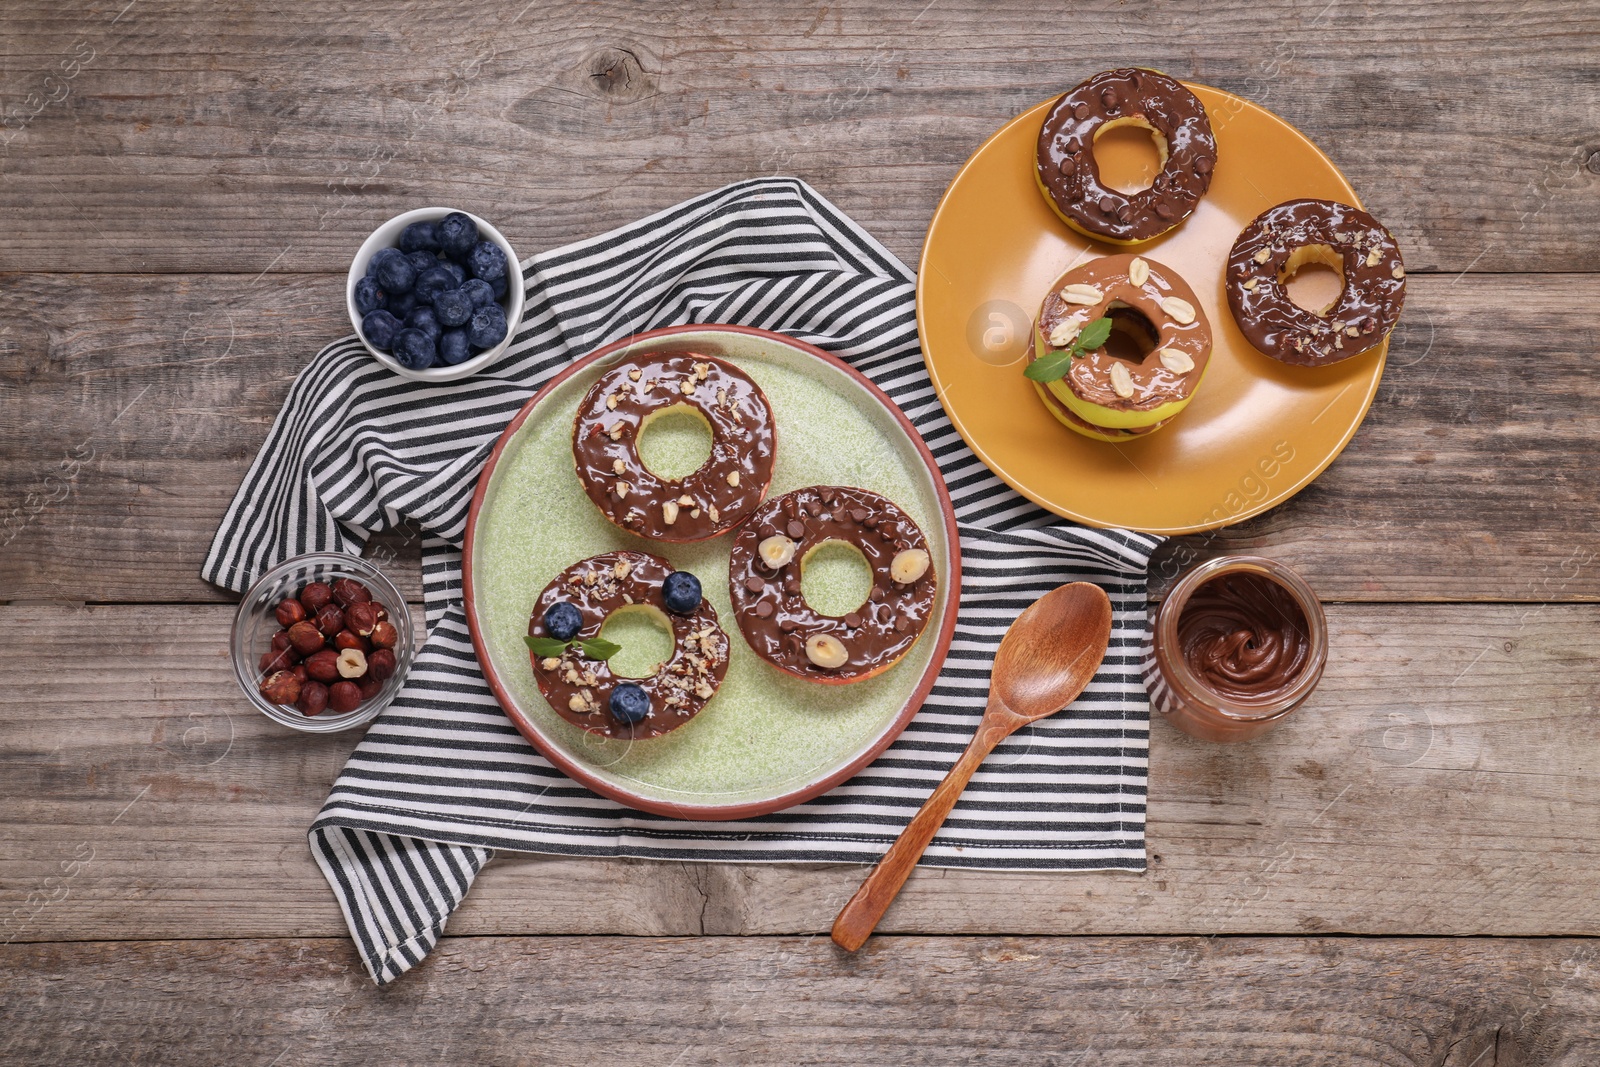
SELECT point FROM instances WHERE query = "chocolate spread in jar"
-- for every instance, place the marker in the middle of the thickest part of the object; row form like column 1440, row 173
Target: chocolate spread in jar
column 1244, row 637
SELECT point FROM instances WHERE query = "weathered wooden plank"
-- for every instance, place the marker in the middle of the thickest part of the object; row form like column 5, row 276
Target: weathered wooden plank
column 130, row 408
column 160, row 138
column 1442, row 781
column 1114, row 1001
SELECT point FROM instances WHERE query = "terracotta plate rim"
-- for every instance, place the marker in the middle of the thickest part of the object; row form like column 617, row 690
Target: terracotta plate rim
column 1266, row 503
column 746, row 809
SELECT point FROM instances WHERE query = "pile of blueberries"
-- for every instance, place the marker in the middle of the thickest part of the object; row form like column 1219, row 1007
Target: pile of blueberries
column 436, row 298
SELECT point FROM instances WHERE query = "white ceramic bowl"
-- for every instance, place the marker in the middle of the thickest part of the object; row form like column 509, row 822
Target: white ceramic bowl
column 387, row 236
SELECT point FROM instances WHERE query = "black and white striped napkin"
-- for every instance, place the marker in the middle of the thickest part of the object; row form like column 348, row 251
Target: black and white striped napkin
column 442, row 777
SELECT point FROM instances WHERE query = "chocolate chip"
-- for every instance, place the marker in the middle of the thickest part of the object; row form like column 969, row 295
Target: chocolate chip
column 1107, row 204
column 1125, row 213
column 813, row 508
column 797, row 529
column 764, row 608
column 1069, row 166
column 1202, row 165
column 901, row 625
column 1108, row 97
column 1164, row 209
column 754, row 584
column 767, row 529
column 859, row 514
column 877, row 592
column 791, row 584
column 787, row 625
column 1080, row 111
column 853, row 621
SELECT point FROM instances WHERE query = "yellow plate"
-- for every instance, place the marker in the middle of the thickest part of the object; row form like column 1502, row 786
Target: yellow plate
column 1257, row 431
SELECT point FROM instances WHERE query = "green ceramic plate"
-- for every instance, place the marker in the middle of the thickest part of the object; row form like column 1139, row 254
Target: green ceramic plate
column 766, row 740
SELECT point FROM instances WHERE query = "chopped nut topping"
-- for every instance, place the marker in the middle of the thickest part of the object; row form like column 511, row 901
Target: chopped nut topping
column 578, row 704
column 1352, row 331
column 669, row 512
column 633, row 375
column 703, row 691
column 590, row 678
column 1138, row 271
column 611, row 402
column 912, row 563
column 1373, row 257
column 1080, row 293
column 712, row 511
column 733, row 478
column 1179, row 309
column 694, row 513
column 616, row 432
column 686, row 387
column 1398, row 272
column 549, row 663
column 1121, row 380
column 1263, row 255
column 1250, row 283
column 622, row 569
column 701, row 370
column 1175, row 361
column 686, row 500
column 589, row 578
column 622, row 490
column 618, row 466
column 1063, row 332
column 722, row 397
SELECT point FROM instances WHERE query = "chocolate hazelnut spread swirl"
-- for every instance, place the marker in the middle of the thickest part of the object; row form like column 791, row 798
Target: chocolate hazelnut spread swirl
column 1066, row 168
column 1244, row 637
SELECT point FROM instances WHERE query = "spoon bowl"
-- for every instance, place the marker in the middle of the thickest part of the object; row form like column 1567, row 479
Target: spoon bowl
column 1047, row 657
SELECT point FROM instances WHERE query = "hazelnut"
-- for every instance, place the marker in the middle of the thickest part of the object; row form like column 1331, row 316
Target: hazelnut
column 290, row 612
column 776, row 551
column 324, row 665
column 313, row 699
column 352, row 663
column 344, row 696
column 330, row 620
column 382, row 664
column 345, row 639
column 305, row 638
column 315, row 597
column 299, row 671
column 909, row 565
column 384, row 635
column 361, row 617
column 826, row 651
column 280, row 640
column 281, row 688
column 277, row 660
column 369, row 686
column 347, row 591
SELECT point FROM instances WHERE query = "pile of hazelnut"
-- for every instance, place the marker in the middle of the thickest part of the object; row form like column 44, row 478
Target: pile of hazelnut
column 336, row 649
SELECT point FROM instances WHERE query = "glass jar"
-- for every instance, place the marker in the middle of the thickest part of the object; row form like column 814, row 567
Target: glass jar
column 1210, row 709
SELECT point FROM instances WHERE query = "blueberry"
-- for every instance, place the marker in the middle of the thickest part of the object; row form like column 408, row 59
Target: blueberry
column 380, row 257
column 487, row 261
column 453, row 306
column 681, row 592
column 422, row 318
column 455, row 272
column 379, row 328
column 396, row 274
column 562, row 621
column 421, row 261
column 414, row 350
column 488, row 326
column 400, row 303
column 501, row 286
column 420, row 237
column 454, row 347
column 432, row 281
column 481, row 292
column 369, row 297
column 629, row 703
column 457, row 234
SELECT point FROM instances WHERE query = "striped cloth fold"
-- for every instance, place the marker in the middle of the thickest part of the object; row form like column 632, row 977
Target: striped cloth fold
column 442, row 777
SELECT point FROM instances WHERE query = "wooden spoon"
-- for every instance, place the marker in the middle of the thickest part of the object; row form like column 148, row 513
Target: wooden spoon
column 1046, row 658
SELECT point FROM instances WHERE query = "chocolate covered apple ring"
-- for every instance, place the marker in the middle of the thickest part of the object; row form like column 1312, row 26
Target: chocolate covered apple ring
column 1283, row 239
column 717, row 497
column 584, row 690
column 1152, row 306
column 1065, row 416
column 770, row 555
column 1069, row 178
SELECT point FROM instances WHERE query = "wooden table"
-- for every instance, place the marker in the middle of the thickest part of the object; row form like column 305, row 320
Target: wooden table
column 1406, row 873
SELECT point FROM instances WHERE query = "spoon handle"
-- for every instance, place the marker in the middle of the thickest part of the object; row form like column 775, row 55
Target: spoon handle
column 860, row 916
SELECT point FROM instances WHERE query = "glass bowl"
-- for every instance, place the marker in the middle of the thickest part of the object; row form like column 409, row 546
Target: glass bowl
column 256, row 622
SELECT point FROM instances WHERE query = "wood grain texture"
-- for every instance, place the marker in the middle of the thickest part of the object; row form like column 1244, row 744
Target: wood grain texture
column 130, row 408
column 1120, row 1002
column 1441, row 781
column 181, row 137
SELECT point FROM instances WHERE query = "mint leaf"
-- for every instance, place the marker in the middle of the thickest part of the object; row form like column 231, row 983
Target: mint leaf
column 1092, row 336
column 599, row 648
column 546, row 646
column 1049, row 367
